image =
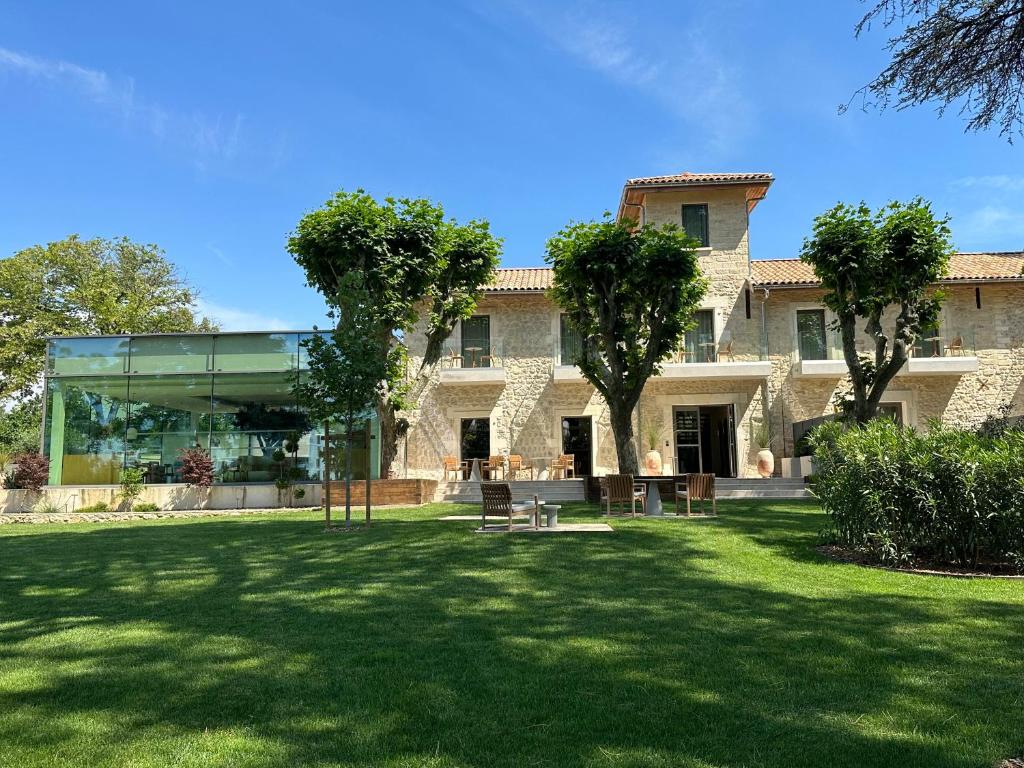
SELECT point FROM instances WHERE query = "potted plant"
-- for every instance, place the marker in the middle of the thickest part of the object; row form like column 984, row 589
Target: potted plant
column 763, row 439
column 652, row 436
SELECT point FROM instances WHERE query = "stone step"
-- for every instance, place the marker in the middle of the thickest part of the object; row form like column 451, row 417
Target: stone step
column 764, row 493
column 468, row 492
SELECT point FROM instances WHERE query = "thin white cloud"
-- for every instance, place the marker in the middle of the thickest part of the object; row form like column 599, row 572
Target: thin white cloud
column 680, row 71
column 999, row 182
column 991, row 226
column 206, row 138
column 237, row 319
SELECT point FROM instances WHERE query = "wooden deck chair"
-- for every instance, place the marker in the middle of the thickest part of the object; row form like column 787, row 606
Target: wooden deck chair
column 452, row 465
column 453, row 357
column 497, row 502
column 620, row 489
column 515, row 466
column 726, row 351
column 699, row 488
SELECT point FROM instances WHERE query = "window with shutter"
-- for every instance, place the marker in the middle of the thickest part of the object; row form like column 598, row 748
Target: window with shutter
column 695, row 222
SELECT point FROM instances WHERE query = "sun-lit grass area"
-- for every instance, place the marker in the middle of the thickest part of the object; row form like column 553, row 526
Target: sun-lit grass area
column 722, row 642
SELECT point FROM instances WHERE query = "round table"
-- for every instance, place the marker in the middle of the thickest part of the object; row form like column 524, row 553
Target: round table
column 473, row 351
column 551, row 511
column 542, row 464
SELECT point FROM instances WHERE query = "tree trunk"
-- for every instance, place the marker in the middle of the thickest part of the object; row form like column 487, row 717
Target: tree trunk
column 625, row 442
column 348, row 472
column 390, row 431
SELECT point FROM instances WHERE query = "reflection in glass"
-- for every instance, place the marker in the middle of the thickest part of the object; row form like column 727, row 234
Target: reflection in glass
column 85, row 429
column 699, row 342
column 810, row 331
column 256, row 352
column 167, row 415
column 99, row 354
column 171, row 354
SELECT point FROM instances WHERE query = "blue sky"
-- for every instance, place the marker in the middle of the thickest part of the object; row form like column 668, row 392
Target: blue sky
column 210, row 128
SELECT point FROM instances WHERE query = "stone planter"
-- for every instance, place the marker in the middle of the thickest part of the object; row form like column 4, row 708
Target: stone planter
column 765, row 462
column 652, row 463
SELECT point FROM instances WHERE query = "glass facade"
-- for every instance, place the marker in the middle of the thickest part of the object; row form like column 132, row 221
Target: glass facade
column 139, row 401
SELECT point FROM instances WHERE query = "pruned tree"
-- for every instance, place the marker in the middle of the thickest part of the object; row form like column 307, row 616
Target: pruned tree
column 869, row 263
column 631, row 293
column 349, row 370
column 966, row 52
column 415, row 265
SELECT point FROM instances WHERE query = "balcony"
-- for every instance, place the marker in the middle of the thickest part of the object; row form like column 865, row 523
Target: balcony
column 948, row 353
column 474, row 364
column 703, row 358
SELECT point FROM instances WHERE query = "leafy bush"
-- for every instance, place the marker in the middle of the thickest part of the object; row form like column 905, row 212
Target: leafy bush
column 197, row 467
column 146, row 506
column 132, row 485
column 31, row 471
column 97, row 508
column 946, row 496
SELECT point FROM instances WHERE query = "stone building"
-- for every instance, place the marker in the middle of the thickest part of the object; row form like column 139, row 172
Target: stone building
column 762, row 352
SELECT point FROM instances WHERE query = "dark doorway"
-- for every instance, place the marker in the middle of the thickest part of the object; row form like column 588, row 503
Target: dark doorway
column 705, row 439
column 577, row 439
column 475, row 439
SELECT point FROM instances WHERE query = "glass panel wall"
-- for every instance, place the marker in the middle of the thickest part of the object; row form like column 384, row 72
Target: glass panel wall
column 570, row 340
column 171, row 354
column 98, row 354
column 256, row 352
column 476, row 342
column 85, row 429
column 249, row 419
column 167, row 415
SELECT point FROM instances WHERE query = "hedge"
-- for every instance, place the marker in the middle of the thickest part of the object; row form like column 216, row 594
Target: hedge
column 945, row 496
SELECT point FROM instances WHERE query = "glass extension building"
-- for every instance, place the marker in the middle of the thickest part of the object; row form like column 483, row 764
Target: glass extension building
column 139, row 401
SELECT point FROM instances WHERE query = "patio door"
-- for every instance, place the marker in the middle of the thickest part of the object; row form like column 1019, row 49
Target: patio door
column 475, row 439
column 577, row 440
column 687, row 431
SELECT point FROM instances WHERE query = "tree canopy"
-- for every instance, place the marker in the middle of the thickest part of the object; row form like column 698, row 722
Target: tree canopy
column 631, row 292
column 966, row 52
column 76, row 286
column 415, row 264
column 870, row 262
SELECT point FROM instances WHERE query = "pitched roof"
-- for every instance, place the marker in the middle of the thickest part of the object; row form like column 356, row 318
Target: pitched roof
column 530, row 279
column 963, row 267
column 697, row 179
column 780, row 273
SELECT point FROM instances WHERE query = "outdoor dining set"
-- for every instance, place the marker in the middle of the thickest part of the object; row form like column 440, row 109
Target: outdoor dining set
column 561, row 467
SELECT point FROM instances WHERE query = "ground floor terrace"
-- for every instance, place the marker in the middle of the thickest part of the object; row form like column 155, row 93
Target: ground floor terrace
column 262, row 641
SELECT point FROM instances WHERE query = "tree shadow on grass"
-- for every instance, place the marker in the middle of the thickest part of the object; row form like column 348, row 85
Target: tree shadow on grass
column 412, row 642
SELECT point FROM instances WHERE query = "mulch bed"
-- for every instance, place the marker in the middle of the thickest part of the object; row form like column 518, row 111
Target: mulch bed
column 984, row 571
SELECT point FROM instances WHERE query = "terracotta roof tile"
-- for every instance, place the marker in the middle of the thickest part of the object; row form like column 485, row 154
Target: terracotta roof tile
column 701, row 178
column 530, row 279
column 963, row 267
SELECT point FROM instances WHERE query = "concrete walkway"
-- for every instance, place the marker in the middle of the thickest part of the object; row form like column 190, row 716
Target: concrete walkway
column 121, row 517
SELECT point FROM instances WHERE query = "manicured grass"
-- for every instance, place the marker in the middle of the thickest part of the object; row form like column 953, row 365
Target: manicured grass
column 265, row 642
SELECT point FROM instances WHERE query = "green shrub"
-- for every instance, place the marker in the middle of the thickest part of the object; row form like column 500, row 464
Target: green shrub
column 146, row 506
column 98, row 507
column 946, row 496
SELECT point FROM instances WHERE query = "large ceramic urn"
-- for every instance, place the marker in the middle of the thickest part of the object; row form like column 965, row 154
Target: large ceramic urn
column 765, row 462
column 652, row 463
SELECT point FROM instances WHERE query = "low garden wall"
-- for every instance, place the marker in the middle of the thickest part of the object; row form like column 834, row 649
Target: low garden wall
column 170, row 496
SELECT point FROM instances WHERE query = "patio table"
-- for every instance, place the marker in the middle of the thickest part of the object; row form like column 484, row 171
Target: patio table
column 472, row 355
column 542, row 464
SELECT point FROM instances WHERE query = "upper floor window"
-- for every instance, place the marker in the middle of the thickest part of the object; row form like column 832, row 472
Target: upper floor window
column 569, row 341
column 810, row 334
column 476, row 342
column 699, row 342
column 695, row 222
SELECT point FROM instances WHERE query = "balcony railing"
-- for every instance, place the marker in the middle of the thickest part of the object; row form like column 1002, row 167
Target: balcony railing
column 948, row 351
column 701, row 357
column 474, row 362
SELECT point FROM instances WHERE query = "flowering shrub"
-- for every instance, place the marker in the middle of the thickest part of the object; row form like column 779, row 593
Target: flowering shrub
column 31, row 471
column 197, row 467
column 945, row 496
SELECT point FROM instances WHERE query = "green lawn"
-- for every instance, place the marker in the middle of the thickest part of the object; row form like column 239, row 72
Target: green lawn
column 264, row 642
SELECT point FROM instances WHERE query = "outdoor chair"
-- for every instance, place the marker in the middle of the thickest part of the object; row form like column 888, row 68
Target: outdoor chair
column 497, row 502
column 620, row 489
column 453, row 466
column 726, row 352
column 453, row 357
column 568, row 461
column 556, row 469
column 956, row 346
column 515, row 466
column 698, row 487
column 490, row 469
